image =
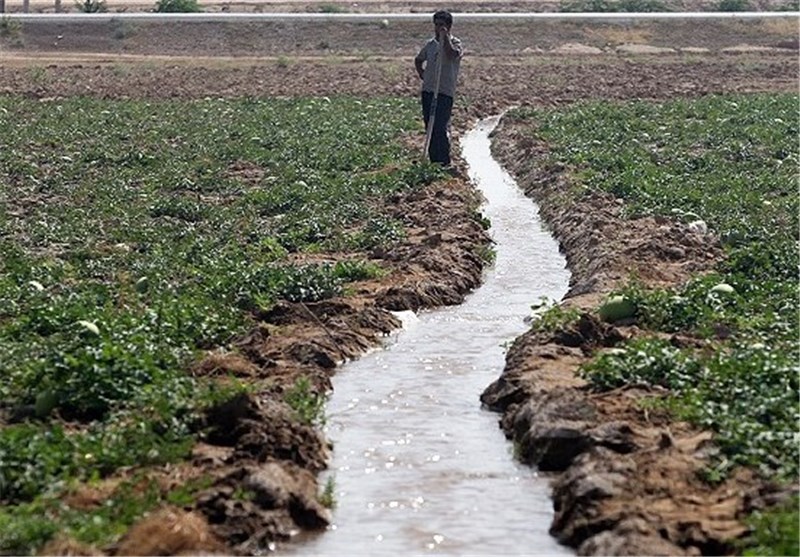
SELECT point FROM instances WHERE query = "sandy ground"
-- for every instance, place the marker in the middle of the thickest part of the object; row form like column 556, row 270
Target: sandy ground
column 255, row 442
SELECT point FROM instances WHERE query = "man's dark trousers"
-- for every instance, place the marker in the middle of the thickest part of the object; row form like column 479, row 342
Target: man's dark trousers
column 439, row 150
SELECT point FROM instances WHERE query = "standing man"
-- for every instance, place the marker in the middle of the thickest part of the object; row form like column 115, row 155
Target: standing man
column 426, row 65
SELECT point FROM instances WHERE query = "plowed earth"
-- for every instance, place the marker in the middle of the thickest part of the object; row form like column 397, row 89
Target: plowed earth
column 626, row 482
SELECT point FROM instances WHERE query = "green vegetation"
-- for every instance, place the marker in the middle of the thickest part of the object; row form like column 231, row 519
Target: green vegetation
column 9, row 28
column 788, row 6
column 328, row 8
column 99, row 523
column 775, row 531
column 629, row 6
column 177, row 6
column 136, row 235
column 91, row 6
column 733, row 6
column 549, row 317
column 306, row 402
column 328, row 495
column 731, row 161
column 604, row 6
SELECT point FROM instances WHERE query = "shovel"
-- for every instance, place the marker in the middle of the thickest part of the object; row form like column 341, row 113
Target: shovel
column 432, row 116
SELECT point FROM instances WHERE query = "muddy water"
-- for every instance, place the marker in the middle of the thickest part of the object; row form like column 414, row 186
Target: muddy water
column 418, row 466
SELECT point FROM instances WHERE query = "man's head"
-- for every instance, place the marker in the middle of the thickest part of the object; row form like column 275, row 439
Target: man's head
column 442, row 19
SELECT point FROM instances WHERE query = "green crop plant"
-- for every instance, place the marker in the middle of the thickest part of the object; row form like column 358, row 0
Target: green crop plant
column 731, row 161
column 124, row 258
column 30, row 525
column 551, row 318
column 328, row 495
column 308, row 405
column 775, row 531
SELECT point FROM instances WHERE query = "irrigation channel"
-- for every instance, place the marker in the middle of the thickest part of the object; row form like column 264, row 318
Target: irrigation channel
column 418, row 466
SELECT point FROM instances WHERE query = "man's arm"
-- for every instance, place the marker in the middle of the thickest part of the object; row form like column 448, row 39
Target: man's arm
column 452, row 49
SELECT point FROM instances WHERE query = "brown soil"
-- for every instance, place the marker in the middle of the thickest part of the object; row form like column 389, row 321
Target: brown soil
column 628, row 484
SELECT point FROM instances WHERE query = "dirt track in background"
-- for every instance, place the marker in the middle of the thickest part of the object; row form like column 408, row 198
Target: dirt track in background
column 255, row 442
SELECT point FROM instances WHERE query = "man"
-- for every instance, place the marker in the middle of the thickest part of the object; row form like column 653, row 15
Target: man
column 426, row 65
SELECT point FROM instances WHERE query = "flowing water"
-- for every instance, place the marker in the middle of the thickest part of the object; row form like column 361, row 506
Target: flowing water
column 418, row 466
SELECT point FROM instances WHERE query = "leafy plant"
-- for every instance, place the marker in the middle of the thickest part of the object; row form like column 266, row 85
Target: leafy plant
column 30, row 525
column 601, row 6
column 9, row 28
column 328, row 495
column 328, row 8
column 775, row 531
column 591, row 6
column 788, row 6
column 643, row 6
column 177, row 6
column 733, row 6
column 551, row 318
column 306, row 402
column 91, row 6
column 136, row 257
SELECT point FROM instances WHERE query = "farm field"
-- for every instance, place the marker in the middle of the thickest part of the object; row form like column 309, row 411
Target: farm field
column 222, row 217
column 707, row 334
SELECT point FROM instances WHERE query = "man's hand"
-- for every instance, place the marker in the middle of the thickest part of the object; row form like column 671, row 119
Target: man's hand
column 419, row 68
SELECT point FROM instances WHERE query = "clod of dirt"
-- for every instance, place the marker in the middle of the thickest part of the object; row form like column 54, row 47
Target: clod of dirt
column 265, row 429
column 251, row 506
column 170, row 531
column 62, row 545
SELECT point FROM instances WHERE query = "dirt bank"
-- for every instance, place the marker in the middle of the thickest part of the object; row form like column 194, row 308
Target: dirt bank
column 256, row 445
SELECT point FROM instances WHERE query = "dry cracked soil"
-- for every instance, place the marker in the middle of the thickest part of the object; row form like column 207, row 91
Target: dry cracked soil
column 625, row 480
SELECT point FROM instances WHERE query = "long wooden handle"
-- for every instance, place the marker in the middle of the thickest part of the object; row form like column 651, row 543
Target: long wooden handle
column 432, row 115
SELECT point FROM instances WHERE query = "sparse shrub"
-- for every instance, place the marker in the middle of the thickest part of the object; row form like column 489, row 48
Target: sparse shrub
column 121, row 29
column 91, row 6
column 328, row 495
column 309, row 406
column 38, row 74
column 9, row 28
column 788, row 6
column 599, row 6
column 642, row 6
column 606, row 6
column 331, row 9
column 733, row 6
column 177, row 6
